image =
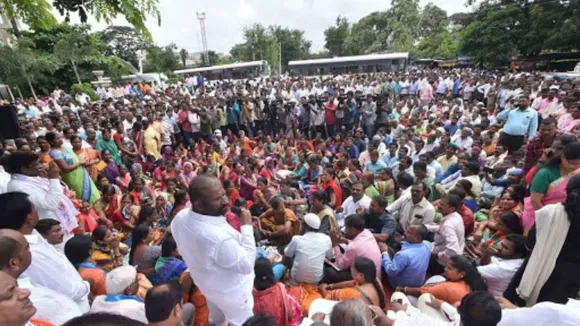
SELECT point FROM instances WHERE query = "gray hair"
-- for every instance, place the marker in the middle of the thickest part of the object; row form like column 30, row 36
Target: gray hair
column 353, row 312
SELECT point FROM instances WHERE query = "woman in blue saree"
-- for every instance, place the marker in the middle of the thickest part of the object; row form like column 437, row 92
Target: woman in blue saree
column 168, row 267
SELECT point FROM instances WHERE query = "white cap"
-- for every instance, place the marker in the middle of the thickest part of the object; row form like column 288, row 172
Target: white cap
column 120, row 278
column 312, row 220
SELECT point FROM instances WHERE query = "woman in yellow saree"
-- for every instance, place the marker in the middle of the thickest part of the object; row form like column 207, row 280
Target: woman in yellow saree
column 364, row 285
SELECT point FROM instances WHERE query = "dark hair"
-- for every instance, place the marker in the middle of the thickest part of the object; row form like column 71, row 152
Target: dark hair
column 260, row 319
column 264, row 276
column 9, row 248
column 139, row 233
column 550, row 121
column 519, row 241
column 381, row 200
column 18, row 160
column 168, row 246
column 179, row 197
column 511, row 221
column 572, row 202
column 51, row 136
column 479, row 308
column 472, row 276
column 103, row 319
column 566, row 139
column 472, row 167
column 355, row 221
column 99, row 233
column 275, row 203
column 570, row 152
column 145, row 213
column 320, row 195
column 367, row 267
column 453, row 200
column 107, row 189
column 78, row 249
column 44, row 226
column 15, row 209
column 405, row 180
column 161, row 300
column 421, row 166
column 460, row 192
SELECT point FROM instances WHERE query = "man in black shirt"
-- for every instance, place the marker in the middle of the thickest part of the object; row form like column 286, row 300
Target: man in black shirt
column 380, row 222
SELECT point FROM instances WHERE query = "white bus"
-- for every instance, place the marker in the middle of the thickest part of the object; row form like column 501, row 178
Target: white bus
column 369, row 63
column 242, row 70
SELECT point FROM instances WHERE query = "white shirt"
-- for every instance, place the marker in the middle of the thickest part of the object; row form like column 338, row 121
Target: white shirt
column 309, row 251
column 349, row 207
column 220, row 260
column 129, row 308
column 499, row 273
column 50, row 305
column 45, row 200
column 51, row 269
column 4, row 180
column 542, row 314
column 406, row 212
column 449, row 237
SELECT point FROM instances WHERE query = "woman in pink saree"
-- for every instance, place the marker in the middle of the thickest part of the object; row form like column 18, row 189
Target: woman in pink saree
column 549, row 184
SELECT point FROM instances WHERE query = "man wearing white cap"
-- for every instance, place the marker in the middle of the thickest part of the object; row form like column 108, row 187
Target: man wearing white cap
column 309, row 251
column 122, row 285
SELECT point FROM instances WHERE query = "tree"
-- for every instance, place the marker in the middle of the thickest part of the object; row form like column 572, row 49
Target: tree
column 75, row 48
column 261, row 43
column 161, row 59
column 433, row 20
column 134, row 11
column 183, row 56
column 335, row 37
column 124, row 42
column 214, row 58
column 21, row 64
column 444, row 45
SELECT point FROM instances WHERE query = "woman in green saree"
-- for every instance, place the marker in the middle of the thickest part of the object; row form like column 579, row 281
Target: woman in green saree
column 73, row 171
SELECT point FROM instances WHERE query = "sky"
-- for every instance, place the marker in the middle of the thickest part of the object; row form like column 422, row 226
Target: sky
column 225, row 19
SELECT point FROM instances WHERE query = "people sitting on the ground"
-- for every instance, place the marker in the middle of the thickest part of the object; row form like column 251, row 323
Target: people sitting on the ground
column 51, row 231
column 408, row 266
column 506, row 223
column 459, row 279
column 272, row 298
column 122, row 286
column 498, row 266
column 360, row 243
column 164, row 306
column 351, row 204
column 414, row 209
column 169, row 266
column 380, row 222
column 309, row 252
column 78, row 251
column 278, row 224
column 50, row 305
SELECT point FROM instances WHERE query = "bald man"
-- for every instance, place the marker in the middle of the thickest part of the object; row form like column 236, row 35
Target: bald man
column 220, row 259
column 15, row 257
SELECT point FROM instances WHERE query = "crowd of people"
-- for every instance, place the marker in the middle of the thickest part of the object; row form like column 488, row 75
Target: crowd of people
column 431, row 197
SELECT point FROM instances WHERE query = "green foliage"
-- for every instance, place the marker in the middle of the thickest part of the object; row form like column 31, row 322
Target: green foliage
column 262, row 43
column 74, row 48
column 134, row 11
column 85, row 88
column 117, row 67
column 34, row 13
column 500, row 30
column 335, row 37
column 124, row 42
column 173, row 78
column 161, row 59
column 433, row 21
column 444, row 45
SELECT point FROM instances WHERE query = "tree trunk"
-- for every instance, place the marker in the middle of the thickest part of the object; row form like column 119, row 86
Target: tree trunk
column 76, row 71
column 15, row 28
column 31, row 88
column 19, row 92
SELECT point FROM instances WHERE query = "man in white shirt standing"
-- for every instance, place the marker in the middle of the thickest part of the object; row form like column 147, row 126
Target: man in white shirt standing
column 49, row 267
column 220, row 259
column 50, row 305
column 352, row 203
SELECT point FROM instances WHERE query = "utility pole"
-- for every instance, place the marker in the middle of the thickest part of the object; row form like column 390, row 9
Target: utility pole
column 201, row 18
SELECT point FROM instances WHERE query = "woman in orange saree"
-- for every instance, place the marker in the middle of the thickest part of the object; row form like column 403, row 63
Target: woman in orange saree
column 278, row 223
column 92, row 157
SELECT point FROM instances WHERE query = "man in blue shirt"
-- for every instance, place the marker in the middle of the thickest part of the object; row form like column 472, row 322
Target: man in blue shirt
column 375, row 165
column 408, row 267
column 521, row 121
column 352, row 149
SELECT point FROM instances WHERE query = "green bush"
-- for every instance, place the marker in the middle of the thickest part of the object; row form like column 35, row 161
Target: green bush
column 85, row 88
